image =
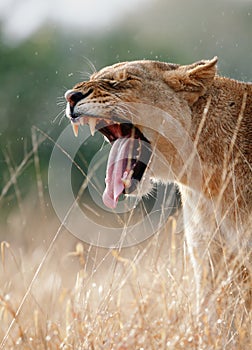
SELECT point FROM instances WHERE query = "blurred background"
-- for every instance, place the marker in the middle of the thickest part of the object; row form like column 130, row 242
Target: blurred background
column 48, row 46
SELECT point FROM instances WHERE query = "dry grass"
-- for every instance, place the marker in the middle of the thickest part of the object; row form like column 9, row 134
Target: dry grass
column 59, row 293
column 84, row 297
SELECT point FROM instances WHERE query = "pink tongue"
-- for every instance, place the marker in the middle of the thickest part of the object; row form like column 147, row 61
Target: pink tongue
column 117, row 161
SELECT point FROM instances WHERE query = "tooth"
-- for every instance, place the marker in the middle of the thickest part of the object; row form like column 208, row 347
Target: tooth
column 75, row 129
column 92, row 124
column 126, row 183
column 126, row 178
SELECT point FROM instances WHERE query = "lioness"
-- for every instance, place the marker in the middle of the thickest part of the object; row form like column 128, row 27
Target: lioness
column 134, row 104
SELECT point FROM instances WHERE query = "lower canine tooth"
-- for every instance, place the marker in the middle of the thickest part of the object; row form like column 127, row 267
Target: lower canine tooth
column 126, row 183
column 126, row 178
column 92, row 124
column 75, row 129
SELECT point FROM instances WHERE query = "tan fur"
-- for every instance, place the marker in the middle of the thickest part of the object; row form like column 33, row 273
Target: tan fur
column 216, row 112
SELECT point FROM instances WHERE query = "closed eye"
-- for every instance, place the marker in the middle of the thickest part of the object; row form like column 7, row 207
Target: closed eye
column 122, row 83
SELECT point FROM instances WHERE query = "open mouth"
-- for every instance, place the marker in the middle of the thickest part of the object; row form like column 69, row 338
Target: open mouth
column 128, row 158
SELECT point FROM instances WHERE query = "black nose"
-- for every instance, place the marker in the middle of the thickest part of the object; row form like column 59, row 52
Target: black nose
column 73, row 97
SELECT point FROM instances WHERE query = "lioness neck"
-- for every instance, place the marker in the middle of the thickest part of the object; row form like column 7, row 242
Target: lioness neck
column 223, row 133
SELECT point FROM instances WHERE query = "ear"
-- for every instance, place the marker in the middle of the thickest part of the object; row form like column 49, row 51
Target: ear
column 192, row 80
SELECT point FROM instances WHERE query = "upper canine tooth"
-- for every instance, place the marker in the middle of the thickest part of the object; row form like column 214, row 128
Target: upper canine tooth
column 75, row 129
column 92, row 124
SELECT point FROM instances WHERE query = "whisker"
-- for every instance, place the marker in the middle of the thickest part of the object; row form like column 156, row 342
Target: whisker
column 85, row 75
column 90, row 64
column 60, row 115
column 61, row 103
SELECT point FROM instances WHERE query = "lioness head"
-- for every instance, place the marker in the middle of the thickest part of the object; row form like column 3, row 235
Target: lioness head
column 104, row 102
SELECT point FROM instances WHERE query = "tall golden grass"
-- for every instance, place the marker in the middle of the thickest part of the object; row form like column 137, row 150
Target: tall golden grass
column 64, row 294
column 57, row 292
